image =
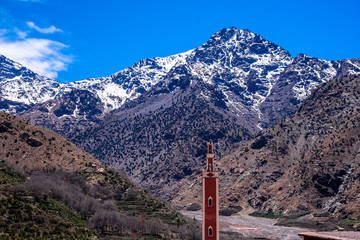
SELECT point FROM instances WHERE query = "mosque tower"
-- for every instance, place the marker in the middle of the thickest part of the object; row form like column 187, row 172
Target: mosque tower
column 210, row 203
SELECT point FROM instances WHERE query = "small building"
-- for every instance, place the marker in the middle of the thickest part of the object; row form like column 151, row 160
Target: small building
column 330, row 235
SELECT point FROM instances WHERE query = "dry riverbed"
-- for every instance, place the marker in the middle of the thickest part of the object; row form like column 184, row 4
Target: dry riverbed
column 253, row 227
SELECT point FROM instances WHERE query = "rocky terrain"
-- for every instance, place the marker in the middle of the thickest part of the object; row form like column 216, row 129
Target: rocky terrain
column 50, row 188
column 28, row 147
column 251, row 74
column 159, row 138
column 154, row 118
column 246, row 227
column 306, row 164
column 168, row 125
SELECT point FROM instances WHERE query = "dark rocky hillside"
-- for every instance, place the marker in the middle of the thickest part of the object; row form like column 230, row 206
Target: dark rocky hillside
column 69, row 113
column 159, row 138
column 50, row 188
column 309, row 163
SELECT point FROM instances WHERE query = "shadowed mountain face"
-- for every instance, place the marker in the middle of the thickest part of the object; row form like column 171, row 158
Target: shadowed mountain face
column 159, row 138
column 154, row 118
column 69, row 113
column 309, row 162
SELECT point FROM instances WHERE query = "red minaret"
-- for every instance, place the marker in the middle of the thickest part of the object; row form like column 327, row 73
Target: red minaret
column 210, row 205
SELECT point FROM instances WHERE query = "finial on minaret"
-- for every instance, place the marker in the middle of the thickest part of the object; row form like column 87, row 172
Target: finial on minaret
column 210, row 155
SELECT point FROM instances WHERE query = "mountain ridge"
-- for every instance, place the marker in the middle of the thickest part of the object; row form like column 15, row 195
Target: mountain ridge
column 230, row 59
column 228, row 90
column 228, row 45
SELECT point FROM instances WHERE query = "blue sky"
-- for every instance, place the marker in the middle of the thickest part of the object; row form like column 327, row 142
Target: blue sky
column 76, row 39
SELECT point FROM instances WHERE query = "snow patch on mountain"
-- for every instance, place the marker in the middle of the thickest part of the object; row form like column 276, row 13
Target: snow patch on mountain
column 21, row 85
column 28, row 92
column 131, row 82
column 356, row 68
column 312, row 72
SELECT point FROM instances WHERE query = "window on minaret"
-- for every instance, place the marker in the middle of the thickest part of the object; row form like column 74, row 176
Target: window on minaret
column 210, row 202
column 210, row 231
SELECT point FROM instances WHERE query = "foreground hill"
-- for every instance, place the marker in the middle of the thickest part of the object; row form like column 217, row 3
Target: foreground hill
column 29, row 147
column 309, row 163
column 50, row 188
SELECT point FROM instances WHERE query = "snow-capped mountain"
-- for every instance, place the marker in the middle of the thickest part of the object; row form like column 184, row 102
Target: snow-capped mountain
column 296, row 83
column 129, row 83
column 160, row 111
column 242, row 64
column 21, row 88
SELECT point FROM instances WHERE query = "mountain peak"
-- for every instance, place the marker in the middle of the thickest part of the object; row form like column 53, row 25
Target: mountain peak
column 232, row 34
column 234, row 47
column 242, row 42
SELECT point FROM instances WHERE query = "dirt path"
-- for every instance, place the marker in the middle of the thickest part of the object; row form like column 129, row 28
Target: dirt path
column 254, row 227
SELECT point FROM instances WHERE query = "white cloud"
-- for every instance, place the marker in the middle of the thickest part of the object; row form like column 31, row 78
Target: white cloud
column 51, row 29
column 20, row 34
column 42, row 56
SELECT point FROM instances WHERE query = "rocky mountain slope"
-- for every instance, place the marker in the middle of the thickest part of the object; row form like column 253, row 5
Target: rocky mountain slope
column 158, row 138
column 229, row 89
column 308, row 163
column 159, row 112
column 43, row 174
column 29, row 147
